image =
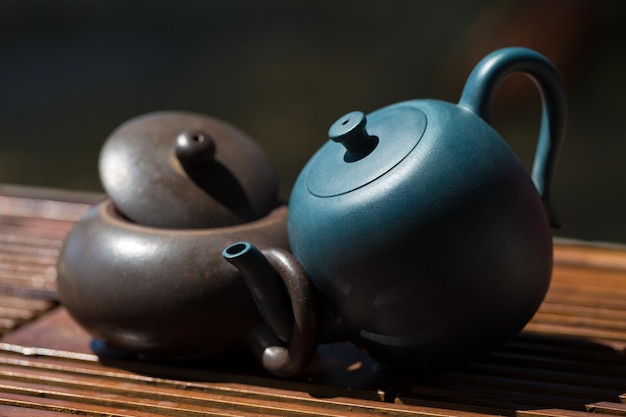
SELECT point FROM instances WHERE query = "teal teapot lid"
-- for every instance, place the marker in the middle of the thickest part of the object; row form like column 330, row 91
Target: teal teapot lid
column 364, row 148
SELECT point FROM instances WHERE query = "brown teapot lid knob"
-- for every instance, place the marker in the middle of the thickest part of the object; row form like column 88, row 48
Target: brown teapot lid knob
column 194, row 149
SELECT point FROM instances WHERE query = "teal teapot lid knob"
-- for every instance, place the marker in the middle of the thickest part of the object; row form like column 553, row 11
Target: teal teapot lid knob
column 350, row 130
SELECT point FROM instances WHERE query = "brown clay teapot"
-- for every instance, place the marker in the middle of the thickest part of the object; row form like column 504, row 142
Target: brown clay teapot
column 143, row 270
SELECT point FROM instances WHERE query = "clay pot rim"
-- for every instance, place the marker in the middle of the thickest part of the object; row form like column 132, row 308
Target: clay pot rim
column 109, row 213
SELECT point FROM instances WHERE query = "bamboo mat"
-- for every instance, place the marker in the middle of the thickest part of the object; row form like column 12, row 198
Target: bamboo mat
column 568, row 361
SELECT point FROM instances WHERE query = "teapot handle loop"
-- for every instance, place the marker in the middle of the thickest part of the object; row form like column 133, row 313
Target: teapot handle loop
column 478, row 95
column 288, row 317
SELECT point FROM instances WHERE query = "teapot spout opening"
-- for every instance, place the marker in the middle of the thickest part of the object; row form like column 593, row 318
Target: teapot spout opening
column 235, row 250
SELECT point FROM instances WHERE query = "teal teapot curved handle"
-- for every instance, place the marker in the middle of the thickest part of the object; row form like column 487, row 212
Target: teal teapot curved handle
column 478, row 95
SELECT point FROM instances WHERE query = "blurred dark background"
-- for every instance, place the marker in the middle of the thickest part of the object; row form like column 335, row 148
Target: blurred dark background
column 72, row 71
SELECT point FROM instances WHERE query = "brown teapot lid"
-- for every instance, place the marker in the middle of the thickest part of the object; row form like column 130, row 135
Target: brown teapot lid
column 186, row 170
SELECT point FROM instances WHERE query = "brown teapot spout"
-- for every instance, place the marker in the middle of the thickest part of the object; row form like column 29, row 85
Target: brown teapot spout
column 265, row 285
column 284, row 296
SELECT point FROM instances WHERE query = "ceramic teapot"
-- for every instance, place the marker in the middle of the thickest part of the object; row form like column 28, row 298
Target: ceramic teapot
column 143, row 271
column 421, row 230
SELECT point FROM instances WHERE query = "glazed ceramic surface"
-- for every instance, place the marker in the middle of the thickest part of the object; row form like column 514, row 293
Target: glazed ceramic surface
column 420, row 227
column 160, row 292
column 186, row 170
column 143, row 270
column 422, row 231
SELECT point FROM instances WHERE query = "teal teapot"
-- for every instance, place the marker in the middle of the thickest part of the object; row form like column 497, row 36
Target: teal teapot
column 422, row 233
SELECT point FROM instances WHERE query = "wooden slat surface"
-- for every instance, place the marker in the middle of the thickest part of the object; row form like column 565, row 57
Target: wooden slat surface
column 570, row 360
column 31, row 233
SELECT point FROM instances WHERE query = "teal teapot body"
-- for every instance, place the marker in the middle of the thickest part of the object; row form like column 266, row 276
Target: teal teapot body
column 421, row 231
